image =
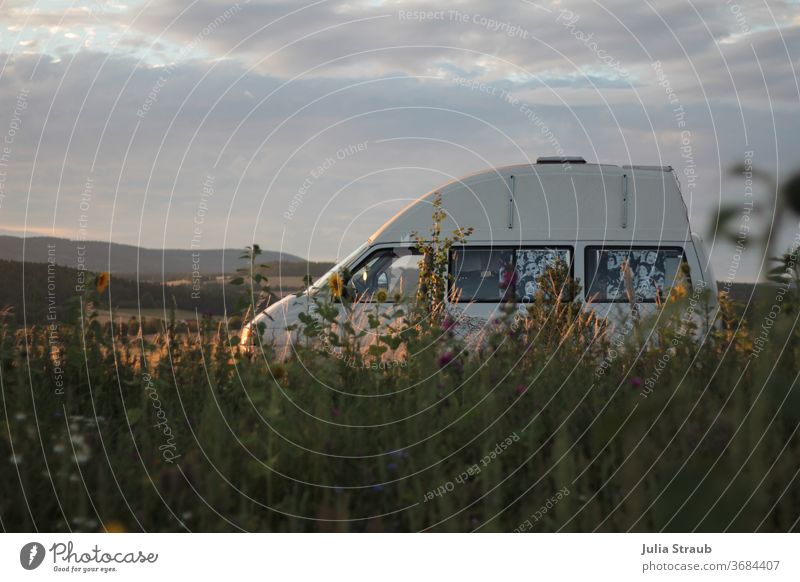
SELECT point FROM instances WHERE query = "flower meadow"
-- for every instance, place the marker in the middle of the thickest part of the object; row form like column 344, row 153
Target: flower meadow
column 390, row 420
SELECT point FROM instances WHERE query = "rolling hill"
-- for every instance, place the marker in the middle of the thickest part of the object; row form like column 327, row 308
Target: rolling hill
column 129, row 260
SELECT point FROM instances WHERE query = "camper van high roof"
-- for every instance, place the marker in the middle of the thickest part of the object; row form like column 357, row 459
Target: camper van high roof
column 561, row 198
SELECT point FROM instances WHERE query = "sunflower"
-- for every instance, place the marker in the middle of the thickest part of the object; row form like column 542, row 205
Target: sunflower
column 102, row 281
column 336, row 284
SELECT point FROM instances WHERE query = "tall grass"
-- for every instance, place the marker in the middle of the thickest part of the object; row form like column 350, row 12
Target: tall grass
column 404, row 424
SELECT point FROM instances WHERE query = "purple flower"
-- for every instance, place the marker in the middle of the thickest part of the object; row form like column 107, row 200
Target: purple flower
column 392, row 467
column 335, row 412
column 446, row 358
column 520, row 389
column 448, row 323
column 636, row 382
column 377, row 488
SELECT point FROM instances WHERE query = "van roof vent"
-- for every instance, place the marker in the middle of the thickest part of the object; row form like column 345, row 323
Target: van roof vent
column 560, row 160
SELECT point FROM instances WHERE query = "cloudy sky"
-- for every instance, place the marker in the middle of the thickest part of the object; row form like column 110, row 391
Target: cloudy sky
column 304, row 125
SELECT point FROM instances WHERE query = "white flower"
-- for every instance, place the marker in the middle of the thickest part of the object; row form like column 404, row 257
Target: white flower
column 82, row 451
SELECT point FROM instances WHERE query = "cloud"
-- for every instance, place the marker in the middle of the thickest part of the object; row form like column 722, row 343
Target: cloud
column 259, row 96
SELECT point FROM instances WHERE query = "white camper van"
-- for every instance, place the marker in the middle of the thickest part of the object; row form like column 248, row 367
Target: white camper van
column 609, row 223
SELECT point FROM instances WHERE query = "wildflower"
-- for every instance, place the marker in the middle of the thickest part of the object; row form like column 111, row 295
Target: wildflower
column 678, row 292
column 114, row 526
column 58, row 448
column 335, row 412
column 82, row 450
column 446, row 358
column 377, row 488
column 101, row 283
column 448, row 323
column 636, row 382
column 392, row 467
column 520, row 389
column 381, row 296
column 336, row 284
column 15, row 459
column 20, row 416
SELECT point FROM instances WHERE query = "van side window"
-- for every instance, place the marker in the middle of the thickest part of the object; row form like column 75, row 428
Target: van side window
column 530, row 264
column 646, row 272
column 393, row 271
column 495, row 274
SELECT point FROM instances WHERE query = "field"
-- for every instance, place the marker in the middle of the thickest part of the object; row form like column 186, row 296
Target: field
column 393, row 422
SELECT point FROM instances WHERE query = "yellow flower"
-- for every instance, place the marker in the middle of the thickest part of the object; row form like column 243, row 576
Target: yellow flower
column 380, row 296
column 336, row 284
column 114, row 526
column 102, row 281
column 679, row 292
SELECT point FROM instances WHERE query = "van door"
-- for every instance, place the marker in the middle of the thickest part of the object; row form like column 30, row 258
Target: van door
column 382, row 279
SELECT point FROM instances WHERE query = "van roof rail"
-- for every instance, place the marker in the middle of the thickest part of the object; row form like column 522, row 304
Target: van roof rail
column 659, row 168
column 560, row 160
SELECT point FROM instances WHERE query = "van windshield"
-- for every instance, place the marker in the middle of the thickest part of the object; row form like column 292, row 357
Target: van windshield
column 320, row 283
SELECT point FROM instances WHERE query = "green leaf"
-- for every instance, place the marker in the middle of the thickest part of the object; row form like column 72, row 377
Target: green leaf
column 133, row 415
